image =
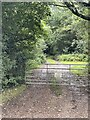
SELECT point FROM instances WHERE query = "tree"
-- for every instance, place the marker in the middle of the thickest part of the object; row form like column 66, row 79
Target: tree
column 69, row 33
column 22, row 30
column 80, row 9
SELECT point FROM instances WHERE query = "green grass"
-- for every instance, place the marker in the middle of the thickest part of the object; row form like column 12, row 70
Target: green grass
column 73, row 57
column 8, row 94
column 56, row 89
column 51, row 61
column 80, row 70
column 83, row 70
column 72, row 62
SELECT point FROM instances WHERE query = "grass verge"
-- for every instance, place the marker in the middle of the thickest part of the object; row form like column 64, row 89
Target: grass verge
column 8, row 94
column 72, row 62
column 80, row 67
column 51, row 61
column 80, row 70
column 56, row 89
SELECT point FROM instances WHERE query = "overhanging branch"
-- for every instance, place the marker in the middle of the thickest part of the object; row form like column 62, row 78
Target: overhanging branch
column 57, row 5
column 73, row 9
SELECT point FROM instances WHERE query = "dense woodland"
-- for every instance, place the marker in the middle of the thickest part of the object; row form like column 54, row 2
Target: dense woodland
column 33, row 31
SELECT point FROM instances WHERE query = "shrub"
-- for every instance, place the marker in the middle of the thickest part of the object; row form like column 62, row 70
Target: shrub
column 8, row 83
column 73, row 57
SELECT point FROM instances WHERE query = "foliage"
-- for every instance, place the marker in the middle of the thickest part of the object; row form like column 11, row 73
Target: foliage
column 34, row 30
column 9, row 94
column 73, row 62
column 51, row 61
column 78, row 8
column 56, row 89
column 79, row 70
column 23, row 38
column 69, row 34
column 73, row 57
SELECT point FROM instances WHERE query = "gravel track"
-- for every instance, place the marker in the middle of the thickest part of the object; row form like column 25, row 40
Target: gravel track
column 39, row 101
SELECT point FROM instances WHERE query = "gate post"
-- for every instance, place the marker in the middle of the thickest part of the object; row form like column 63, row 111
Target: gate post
column 47, row 71
column 70, row 75
column 69, row 67
column 47, row 68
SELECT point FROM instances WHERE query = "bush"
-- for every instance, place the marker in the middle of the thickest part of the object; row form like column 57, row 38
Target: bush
column 8, row 83
column 11, row 82
column 73, row 57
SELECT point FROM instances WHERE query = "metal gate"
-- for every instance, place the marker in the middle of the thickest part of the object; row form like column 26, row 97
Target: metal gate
column 60, row 74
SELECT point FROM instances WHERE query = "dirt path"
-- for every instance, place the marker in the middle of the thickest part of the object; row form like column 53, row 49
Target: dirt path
column 39, row 101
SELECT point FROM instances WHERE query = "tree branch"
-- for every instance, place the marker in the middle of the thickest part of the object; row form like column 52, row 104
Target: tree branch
column 57, row 5
column 75, row 11
column 85, row 4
